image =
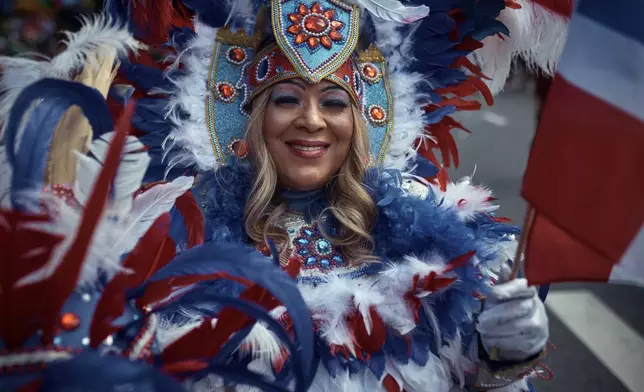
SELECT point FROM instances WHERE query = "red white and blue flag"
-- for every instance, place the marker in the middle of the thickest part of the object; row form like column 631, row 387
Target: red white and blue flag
column 585, row 178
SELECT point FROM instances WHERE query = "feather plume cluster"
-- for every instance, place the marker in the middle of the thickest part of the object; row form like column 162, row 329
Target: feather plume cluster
column 100, row 31
column 126, row 219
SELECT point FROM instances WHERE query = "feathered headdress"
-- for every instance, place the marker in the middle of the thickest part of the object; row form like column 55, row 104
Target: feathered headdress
column 408, row 67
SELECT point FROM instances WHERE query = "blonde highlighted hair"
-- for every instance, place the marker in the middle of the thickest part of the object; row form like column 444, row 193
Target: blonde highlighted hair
column 349, row 203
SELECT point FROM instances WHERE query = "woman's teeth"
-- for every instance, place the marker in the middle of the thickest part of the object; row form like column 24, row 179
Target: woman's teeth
column 307, row 148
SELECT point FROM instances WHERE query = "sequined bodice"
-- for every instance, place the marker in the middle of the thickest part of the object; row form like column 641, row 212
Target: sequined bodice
column 305, row 239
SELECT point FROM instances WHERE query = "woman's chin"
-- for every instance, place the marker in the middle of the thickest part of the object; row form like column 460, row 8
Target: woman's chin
column 304, row 179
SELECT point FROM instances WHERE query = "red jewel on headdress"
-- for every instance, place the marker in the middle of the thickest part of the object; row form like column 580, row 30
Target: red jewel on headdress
column 69, row 321
column 236, row 55
column 240, row 148
column 377, row 114
column 315, row 26
column 370, row 71
column 225, row 92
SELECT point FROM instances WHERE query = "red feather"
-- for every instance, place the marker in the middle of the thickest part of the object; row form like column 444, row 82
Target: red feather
column 563, row 7
column 369, row 342
column 293, row 266
column 61, row 284
column 390, row 384
column 19, row 244
column 426, row 150
column 433, row 282
column 154, row 19
column 470, row 86
column 189, row 366
column 459, row 261
column 443, row 179
column 33, row 386
column 460, row 104
column 467, row 64
column 500, row 219
column 159, row 290
column 149, row 254
column 469, row 44
column 413, row 301
column 192, row 218
column 205, row 341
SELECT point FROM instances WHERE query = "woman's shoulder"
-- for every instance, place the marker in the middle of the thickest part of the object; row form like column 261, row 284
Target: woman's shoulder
column 463, row 198
column 416, row 217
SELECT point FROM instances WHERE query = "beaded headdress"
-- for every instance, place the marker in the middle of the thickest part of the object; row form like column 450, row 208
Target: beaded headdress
column 314, row 40
column 406, row 67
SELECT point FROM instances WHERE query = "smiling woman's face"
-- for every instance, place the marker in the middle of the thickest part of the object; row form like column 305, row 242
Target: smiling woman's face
column 308, row 130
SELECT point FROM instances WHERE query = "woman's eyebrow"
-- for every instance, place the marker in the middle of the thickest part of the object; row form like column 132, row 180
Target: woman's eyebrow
column 332, row 87
column 295, row 83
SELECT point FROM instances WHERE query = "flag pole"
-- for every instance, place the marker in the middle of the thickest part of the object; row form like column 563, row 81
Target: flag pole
column 523, row 239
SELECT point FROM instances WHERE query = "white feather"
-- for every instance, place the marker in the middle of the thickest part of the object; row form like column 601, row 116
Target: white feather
column 129, row 176
column 168, row 331
column 537, row 35
column 406, row 87
column 116, row 233
column 395, row 11
column 99, row 31
column 6, row 174
column 148, row 206
column 430, row 377
column 451, row 355
column 101, row 258
column 468, row 200
column 87, row 170
column 519, row 386
column 189, row 141
column 262, row 344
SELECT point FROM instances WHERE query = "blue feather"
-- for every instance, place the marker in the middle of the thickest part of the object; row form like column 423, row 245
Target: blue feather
column 212, row 13
column 180, row 37
column 90, row 371
column 145, row 77
column 244, row 261
column 425, row 168
column 30, row 161
column 437, row 115
column 300, row 358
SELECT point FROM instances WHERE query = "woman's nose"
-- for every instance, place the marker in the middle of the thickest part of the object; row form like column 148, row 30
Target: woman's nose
column 311, row 119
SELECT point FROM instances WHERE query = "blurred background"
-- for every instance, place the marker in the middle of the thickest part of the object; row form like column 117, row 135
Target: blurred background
column 32, row 25
column 597, row 330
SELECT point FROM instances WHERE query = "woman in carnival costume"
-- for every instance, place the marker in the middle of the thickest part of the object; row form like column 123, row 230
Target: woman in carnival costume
column 303, row 121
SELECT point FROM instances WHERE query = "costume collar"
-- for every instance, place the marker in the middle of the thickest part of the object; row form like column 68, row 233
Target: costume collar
column 308, row 203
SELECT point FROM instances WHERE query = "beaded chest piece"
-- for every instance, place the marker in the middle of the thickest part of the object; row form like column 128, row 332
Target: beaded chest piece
column 318, row 256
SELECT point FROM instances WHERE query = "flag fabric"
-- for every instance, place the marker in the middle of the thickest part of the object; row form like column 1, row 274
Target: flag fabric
column 585, row 177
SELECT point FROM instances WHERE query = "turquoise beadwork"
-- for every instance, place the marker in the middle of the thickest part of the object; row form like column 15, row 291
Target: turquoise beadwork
column 315, row 250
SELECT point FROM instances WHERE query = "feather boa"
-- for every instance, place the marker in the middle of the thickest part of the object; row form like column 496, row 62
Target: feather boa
column 414, row 236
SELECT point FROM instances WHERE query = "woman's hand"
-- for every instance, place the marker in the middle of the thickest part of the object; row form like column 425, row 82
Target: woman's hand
column 513, row 325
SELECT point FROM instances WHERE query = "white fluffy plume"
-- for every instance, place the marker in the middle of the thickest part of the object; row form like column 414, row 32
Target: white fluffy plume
column 124, row 221
column 537, row 35
column 189, row 142
column 128, row 177
column 395, row 11
column 97, row 32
